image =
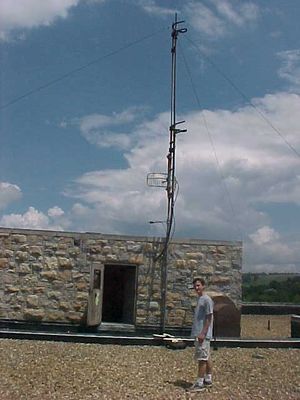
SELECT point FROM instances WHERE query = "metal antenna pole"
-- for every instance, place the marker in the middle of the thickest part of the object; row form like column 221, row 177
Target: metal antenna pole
column 171, row 180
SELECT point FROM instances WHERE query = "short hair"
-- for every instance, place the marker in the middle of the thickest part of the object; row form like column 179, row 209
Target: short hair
column 200, row 280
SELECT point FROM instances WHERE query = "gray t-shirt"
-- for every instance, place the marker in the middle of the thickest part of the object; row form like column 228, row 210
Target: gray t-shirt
column 205, row 306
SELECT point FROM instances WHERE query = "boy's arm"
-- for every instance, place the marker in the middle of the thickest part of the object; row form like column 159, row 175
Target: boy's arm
column 206, row 326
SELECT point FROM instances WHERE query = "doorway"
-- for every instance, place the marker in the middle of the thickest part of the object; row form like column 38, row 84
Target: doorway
column 119, row 294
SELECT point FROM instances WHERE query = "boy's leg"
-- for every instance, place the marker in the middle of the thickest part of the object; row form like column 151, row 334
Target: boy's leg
column 198, row 386
column 202, row 368
column 208, row 367
column 201, row 358
column 208, row 373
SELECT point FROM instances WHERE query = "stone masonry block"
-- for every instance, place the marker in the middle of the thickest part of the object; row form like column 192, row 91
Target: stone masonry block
column 64, row 262
column 12, row 289
column 55, row 315
column 180, row 264
column 36, row 251
column 136, row 259
column 54, row 295
column 21, row 256
column 195, row 256
column 34, row 314
column 50, row 275
column 4, row 263
column 24, row 269
column 51, row 262
column 63, row 305
column 153, row 305
column 32, row 301
column 220, row 280
column 225, row 265
column 19, row 238
column 74, row 317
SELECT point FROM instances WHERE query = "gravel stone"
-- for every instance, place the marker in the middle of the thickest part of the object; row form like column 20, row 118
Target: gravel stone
column 36, row 370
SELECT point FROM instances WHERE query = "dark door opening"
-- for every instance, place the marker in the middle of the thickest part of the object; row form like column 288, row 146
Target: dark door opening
column 119, row 294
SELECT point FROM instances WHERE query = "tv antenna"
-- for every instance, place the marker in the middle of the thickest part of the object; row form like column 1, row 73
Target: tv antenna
column 168, row 180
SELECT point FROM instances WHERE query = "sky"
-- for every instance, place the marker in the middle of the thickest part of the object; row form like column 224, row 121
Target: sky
column 85, row 115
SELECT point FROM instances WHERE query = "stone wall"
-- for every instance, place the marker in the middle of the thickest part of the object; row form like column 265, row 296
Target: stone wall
column 45, row 276
column 218, row 262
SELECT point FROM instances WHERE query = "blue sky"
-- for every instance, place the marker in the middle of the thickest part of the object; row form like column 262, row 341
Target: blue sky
column 84, row 116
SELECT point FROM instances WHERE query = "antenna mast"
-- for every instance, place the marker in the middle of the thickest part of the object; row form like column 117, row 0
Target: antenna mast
column 171, row 179
column 168, row 180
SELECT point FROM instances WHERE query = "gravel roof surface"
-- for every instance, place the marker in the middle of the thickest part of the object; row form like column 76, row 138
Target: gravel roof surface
column 257, row 326
column 39, row 370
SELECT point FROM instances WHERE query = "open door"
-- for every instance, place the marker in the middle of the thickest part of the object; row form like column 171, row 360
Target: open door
column 94, row 313
column 119, row 294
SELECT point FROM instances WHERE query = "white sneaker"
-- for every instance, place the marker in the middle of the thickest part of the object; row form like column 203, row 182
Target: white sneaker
column 196, row 387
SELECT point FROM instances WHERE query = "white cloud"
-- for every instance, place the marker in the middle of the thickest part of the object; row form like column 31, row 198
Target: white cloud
column 204, row 20
column 104, row 131
column 30, row 219
column 16, row 15
column 236, row 13
column 55, row 218
column 290, row 68
column 219, row 17
column 264, row 235
column 256, row 166
column 269, row 251
column 34, row 219
column 55, row 212
column 151, row 7
column 8, row 194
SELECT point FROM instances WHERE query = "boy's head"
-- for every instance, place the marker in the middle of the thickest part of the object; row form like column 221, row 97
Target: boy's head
column 198, row 279
column 199, row 285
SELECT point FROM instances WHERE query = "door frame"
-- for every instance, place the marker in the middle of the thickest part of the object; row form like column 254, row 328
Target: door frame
column 95, row 297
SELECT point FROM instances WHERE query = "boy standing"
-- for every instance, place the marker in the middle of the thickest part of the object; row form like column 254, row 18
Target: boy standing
column 202, row 332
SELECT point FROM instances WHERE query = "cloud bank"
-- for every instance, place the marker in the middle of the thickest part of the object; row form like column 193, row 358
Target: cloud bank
column 8, row 194
column 218, row 199
column 221, row 188
column 19, row 15
column 34, row 219
column 290, row 68
column 220, row 17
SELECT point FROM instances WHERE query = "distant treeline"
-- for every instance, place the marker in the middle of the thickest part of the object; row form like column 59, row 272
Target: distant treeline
column 271, row 288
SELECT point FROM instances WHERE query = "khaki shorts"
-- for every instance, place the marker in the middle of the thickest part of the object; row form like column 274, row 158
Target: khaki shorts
column 202, row 350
